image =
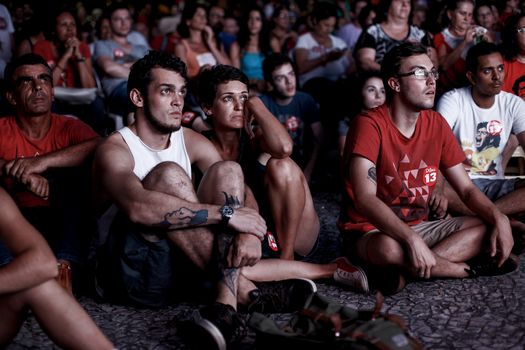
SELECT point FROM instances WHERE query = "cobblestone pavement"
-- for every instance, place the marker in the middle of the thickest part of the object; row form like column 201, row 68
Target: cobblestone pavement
column 484, row 313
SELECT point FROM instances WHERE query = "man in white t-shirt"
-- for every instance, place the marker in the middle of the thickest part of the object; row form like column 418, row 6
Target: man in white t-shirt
column 482, row 118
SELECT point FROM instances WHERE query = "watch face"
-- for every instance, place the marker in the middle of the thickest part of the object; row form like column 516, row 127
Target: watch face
column 227, row 211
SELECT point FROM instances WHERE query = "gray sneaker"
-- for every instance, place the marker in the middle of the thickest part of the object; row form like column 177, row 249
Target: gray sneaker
column 281, row 296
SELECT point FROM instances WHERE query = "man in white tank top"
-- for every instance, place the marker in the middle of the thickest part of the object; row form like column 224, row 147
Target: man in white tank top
column 145, row 170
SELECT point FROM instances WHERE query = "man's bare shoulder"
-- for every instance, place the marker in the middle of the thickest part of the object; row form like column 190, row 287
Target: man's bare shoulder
column 200, row 149
column 113, row 149
column 195, row 140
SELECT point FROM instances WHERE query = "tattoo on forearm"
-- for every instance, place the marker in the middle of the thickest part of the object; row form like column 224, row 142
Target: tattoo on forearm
column 231, row 200
column 185, row 217
column 227, row 275
column 372, row 175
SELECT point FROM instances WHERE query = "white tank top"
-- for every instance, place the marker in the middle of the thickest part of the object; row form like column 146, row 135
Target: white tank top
column 147, row 158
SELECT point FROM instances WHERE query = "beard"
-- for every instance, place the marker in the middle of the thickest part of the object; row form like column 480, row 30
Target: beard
column 157, row 124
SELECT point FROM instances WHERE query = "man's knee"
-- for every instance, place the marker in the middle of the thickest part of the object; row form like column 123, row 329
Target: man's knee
column 471, row 221
column 380, row 249
column 166, row 176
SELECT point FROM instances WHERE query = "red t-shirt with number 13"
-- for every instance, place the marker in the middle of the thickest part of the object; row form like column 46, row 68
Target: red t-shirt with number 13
column 406, row 168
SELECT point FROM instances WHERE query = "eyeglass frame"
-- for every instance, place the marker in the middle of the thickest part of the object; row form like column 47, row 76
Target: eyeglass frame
column 425, row 75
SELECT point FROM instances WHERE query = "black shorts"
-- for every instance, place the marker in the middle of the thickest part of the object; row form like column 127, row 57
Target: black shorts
column 133, row 270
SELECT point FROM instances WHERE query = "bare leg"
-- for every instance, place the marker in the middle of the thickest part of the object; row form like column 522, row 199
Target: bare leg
column 511, row 203
column 276, row 270
column 195, row 243
column 296, row 221
column 224, row 184
column 61, row 317
column 223, row 181
column 451, row 253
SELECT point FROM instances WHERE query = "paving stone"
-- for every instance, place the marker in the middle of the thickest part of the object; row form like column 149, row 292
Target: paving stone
column 482, row 313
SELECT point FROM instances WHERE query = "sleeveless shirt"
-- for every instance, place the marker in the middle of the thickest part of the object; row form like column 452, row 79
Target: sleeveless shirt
column 146, row 158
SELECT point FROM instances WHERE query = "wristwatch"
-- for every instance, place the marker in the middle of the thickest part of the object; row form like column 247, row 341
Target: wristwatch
column 226, row 214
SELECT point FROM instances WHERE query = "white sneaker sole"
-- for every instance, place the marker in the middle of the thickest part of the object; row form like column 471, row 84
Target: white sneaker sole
column 213, row 332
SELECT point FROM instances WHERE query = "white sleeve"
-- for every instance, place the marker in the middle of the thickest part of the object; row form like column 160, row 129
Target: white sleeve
column 448, row 107
column 303, row 42
column 518, row 115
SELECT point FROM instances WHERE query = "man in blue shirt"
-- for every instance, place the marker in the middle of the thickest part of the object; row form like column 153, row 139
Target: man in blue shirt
column 296, row 110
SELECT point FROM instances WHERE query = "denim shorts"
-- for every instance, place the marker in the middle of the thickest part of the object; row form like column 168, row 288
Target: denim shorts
column 496, row 188
column 133, row 270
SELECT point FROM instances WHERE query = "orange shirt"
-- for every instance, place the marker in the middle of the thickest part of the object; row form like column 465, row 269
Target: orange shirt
column 64, row 132
column 70, row 76
column 514, row 78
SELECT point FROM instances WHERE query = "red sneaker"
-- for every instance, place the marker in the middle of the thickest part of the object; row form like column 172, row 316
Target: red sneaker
column 350, row 275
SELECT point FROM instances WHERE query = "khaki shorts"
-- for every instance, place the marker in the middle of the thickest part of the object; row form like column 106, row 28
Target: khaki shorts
column 434, row 232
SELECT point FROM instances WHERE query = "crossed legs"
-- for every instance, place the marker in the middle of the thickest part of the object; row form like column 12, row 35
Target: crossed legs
column 380, row 250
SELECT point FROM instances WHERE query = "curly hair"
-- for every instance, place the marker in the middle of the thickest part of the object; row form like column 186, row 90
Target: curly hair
column 210, row 79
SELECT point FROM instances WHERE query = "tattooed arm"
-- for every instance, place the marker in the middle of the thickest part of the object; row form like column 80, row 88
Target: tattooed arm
column 113, row 174
column 362, row 175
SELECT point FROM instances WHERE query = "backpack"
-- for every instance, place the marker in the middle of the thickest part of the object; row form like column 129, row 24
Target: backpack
column 326, row 324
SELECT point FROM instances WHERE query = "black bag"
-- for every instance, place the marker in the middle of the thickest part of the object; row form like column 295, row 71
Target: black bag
column 326, row 324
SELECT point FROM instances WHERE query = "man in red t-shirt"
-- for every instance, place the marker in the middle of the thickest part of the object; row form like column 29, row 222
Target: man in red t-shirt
column 38, row 151
column 391, row 164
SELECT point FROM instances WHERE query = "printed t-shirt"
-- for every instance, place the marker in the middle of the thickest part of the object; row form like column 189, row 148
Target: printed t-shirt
column 406, row 168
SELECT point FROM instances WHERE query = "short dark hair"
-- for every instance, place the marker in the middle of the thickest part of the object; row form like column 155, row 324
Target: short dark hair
column 272, row 62
column 210, row 79
column 29, row 59
column 475, row 52
column 394, row 57
column 115, row 6
column 323, row 10
column 140, row 72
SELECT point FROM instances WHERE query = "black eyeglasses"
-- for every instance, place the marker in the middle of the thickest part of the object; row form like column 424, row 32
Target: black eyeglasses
column 421, row 74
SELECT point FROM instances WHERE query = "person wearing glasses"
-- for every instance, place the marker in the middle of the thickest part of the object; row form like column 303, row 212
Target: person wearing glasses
column 483, row 117
column 391, row 165
column 513, row 37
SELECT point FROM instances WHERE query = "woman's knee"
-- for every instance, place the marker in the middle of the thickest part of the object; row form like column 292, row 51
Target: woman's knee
column 225, row 169
column 283, row 170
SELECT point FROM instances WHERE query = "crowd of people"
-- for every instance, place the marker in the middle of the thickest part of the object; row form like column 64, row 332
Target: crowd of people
column 229, row 114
